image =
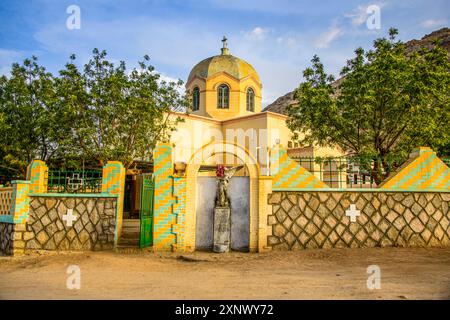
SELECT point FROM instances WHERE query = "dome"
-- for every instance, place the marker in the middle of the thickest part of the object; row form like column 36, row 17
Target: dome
column 224, row 62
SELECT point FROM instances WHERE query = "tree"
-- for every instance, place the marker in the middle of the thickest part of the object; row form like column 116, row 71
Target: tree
column 115, row 115
column 101, row 113
column 27, row 115
column 388, row 102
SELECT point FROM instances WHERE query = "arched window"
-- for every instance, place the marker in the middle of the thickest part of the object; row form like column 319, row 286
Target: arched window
column 223, row 97
column 250, row 100
column 196, row 99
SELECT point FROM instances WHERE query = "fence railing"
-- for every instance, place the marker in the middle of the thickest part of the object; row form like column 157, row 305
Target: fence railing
column 348, row 172
column 74, row 181
column 5, row 200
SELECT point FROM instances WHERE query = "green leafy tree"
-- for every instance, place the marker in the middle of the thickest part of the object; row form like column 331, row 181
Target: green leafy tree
column 27, row 116
column 115, row 114
column 388, row 102
column 103, row 112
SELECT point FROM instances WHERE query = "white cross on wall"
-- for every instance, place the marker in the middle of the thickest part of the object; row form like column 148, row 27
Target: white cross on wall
column 352, row 213
column 69, row 217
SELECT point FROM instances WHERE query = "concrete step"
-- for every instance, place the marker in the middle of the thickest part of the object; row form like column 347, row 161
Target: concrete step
column 131, row 226
column 131, row 232
column 131, row 229
column 129, row 242
column 130, row 236
column 131, row 222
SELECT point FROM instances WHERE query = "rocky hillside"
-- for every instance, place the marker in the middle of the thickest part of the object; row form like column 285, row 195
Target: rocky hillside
column 279, row 105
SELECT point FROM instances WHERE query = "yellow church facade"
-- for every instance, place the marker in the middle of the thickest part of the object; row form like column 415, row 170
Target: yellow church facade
column 226, row 96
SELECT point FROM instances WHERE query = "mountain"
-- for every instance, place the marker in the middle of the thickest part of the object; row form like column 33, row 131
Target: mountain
column 280, row 104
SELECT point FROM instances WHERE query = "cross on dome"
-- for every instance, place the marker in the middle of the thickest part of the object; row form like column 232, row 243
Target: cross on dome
column 225, row 46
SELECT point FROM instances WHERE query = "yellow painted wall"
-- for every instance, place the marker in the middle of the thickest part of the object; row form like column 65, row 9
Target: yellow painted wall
column 262, row 130
column 192, row 134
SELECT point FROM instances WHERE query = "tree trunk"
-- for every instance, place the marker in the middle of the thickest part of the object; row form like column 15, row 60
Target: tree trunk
column 377, row 171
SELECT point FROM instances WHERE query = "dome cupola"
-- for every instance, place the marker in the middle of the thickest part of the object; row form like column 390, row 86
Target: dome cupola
column 224, row 86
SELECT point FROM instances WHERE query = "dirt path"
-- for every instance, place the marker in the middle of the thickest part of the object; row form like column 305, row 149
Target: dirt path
column 309, row 274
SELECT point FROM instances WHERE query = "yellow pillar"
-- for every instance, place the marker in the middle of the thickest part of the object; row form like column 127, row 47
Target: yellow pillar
column 19, row 211
column 37, row 174
column 113, row 182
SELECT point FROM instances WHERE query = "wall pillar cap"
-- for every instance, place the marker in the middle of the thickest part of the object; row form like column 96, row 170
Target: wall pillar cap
column 165, row 144
column 20, row 181
column 38, row 161
column 114, row 162
column 419, row 151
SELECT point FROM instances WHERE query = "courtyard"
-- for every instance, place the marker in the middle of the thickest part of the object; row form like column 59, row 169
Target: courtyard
column 406, row 273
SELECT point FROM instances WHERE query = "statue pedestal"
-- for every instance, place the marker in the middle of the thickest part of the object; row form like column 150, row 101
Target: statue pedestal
column 222, row 229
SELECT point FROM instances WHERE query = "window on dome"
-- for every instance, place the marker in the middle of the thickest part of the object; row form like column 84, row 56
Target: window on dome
column 250, row 100
column 196, row 99
column 223, row 97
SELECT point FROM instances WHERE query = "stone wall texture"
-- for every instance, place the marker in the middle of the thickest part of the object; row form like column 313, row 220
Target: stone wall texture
column 45, row 229
column 6, row 238
column 318, row 219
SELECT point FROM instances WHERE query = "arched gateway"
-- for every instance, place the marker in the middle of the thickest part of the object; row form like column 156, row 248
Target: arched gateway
column 201, row 186
column 176, row 197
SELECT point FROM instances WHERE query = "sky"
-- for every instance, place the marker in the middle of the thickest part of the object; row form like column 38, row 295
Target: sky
column 278, row 38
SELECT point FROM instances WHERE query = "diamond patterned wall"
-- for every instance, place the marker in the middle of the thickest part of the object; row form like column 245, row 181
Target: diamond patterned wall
column 318, row 219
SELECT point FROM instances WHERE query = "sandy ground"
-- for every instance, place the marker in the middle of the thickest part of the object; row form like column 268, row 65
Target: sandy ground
column 309, row 274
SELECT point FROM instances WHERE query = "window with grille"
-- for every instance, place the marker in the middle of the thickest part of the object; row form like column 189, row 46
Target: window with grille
column 196, row 99
column 250, row 100
column 223, row 97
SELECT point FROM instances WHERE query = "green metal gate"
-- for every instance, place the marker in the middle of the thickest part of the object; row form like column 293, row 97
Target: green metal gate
column 146, row 211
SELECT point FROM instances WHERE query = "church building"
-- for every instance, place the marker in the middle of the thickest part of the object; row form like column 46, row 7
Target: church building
column 226, row 127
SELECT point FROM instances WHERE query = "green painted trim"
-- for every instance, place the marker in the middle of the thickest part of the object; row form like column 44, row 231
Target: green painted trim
column 356, row 190
column 20, row 181
column 75, row 195
column 7, row 218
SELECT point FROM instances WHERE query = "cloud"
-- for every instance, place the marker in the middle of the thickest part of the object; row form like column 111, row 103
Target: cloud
column 324, row 40
column 358, row 16
column 165, row 41
column 287, row 41
column 433, row 23
column 257, row 33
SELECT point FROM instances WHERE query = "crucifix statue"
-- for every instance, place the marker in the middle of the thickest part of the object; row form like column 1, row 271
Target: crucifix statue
column 224, row 175
column 222, row 209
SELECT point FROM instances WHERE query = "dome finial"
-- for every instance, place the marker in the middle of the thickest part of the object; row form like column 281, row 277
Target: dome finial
column 225, row 46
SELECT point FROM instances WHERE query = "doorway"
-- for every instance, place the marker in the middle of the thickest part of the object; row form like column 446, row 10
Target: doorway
column 239, row 193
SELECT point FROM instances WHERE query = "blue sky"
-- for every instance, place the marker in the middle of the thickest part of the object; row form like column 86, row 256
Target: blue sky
column 277, row 37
